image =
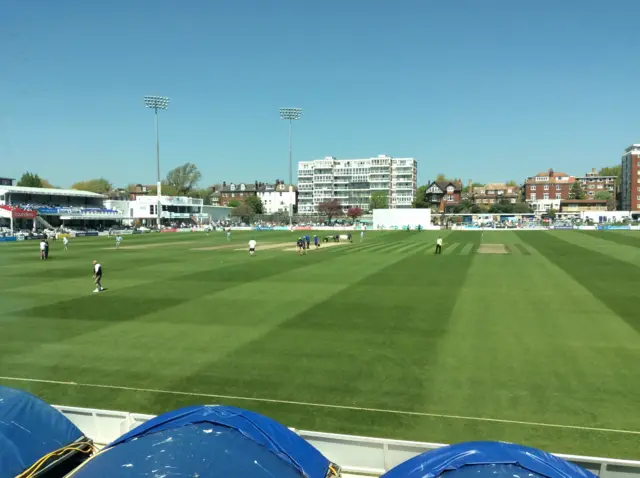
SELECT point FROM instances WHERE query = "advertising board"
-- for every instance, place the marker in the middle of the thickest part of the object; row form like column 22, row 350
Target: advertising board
column 18, row 213
column 87, row 234
column 8, row 239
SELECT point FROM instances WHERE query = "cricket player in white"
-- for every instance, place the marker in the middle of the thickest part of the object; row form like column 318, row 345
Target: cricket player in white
column 65, row 241
column 118, row 240
column 252, row 247
column 97, row 276
column 228, row 234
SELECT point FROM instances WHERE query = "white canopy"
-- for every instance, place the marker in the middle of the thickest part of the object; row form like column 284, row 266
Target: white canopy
column 48, row 192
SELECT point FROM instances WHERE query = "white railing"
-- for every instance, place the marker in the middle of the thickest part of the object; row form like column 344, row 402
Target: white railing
column 355, row 454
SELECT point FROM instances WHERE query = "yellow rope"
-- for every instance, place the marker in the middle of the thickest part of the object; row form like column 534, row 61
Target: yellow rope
column 29, row 472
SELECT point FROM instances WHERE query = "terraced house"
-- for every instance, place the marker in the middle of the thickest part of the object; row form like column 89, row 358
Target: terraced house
column 494, row 193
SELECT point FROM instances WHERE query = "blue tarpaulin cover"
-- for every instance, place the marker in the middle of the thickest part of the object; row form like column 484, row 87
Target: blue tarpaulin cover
column 208, row 441
column 29, row 430
column 485, row 458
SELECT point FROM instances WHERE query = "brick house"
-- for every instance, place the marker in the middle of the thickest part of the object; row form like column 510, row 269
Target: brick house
column 547, row 189
column 141, row 190
column 444, row 196
column 495, row 192
column 223, row 193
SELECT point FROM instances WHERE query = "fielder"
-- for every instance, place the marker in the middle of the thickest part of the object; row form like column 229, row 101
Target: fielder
column 65, row 242
column 252, row 247
column 97, row 276
column 118, row 240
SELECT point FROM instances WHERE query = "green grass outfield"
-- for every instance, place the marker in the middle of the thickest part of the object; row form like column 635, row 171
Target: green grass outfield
column 538, row 346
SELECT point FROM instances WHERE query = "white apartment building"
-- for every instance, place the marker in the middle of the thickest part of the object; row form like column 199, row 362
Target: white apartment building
column 352, row 181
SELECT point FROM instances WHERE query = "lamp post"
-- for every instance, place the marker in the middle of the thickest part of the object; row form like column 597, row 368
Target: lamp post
column 157, row 103
column 290, row 114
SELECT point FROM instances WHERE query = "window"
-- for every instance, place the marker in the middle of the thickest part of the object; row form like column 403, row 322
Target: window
column 558, row 195
column 546, row 196
column 533, row 196
column 449, row 197
column 533, row 188
column 558, row 188
column 637, row 198
column 546, row 187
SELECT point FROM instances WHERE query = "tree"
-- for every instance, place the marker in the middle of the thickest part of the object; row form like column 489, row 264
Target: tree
column 551, row 213
column 442, row 178
column 165, row 189
column 255, row 204
column 464, row 207
column 330, row 209
column 512, row 183
column 242, row 211
column 521, row 208
column 379, row 200
column 612, row 171
column 100, row 186
column 420, row 201
column 603, row 195
column 30, row 180
column 184, row 178
column 233, row 203
column 576, row 191
column 354, row 212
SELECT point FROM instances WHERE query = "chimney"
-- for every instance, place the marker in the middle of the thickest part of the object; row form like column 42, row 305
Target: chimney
column 550, row 173
column 593, row 170
column 224, row 184
column 470, row 186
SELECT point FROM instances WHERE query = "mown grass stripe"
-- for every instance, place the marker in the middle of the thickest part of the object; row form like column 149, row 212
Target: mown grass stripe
column 407, row 248
column 458, row 248
column 523, row 250
column 507, row 248
column 466, row 249
column 448, row 248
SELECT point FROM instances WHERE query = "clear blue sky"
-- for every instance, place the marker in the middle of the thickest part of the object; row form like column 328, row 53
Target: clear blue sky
column 481, row 89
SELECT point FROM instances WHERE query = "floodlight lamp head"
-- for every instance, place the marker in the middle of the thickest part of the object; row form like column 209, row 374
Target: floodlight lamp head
column 156, row 102
column 290, row 113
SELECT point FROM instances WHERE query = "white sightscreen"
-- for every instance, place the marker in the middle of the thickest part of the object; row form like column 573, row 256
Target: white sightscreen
column 401, row 217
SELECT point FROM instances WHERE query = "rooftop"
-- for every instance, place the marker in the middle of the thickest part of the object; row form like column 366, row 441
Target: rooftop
column 49, row 192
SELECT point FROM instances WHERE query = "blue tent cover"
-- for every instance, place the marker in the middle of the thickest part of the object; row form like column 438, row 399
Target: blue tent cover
column 29, row 430
column 208, row 441
column 486, row 458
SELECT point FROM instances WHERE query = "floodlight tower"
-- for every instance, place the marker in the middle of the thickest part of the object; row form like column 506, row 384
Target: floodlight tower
column 290, row 114
column 157, row 103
